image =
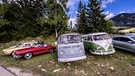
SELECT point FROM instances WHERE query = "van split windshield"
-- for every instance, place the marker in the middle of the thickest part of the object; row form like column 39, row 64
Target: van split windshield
column 70, row 39
column 101, row 37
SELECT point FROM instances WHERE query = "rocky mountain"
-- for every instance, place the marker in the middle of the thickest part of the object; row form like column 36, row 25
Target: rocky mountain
column 124, row 19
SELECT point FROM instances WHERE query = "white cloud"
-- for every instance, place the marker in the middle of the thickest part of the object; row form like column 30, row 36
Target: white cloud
column 72, row 5
column 105, row 2
column 122, row 11
column 72, row 2
column 127, row 11
column 108, row 15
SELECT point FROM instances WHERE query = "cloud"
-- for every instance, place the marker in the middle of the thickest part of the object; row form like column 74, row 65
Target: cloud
column 122, row 11
column 108, row 15
column 73, row 6
column 105, row 2
column 128, row 11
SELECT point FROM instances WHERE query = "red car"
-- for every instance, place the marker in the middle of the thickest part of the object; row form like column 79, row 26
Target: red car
column 36, row 49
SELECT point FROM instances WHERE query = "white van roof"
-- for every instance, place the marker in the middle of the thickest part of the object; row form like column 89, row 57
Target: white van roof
column 98, row 33
column 70, row 34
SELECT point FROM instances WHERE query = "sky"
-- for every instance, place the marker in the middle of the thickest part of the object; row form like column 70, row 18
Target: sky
column 111, row 7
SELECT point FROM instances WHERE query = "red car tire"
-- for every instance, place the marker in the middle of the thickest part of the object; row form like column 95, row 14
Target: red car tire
column 28, row 55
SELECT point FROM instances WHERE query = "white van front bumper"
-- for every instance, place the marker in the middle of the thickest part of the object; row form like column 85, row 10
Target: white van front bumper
column 71, row 59
column 104, row 53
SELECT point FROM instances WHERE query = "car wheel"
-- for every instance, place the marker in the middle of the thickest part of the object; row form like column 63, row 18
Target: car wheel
column 12, row 54
column 51, row 50
column 90, row 52
column 28, row 55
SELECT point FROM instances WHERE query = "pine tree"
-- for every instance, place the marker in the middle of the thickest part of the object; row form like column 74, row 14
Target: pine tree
column 57, row 17
column 96, row 18
column 81, row 19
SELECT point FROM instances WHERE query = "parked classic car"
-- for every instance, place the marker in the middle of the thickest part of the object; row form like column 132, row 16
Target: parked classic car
column 34, row 50
column 98, row 43
column 9, row 51
column 125, row 42
column 70, row 48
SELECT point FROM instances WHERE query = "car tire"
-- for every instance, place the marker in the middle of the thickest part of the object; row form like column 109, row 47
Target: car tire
column 90, row 52
column 51, row 50
column 28, row 55
column 12, row 54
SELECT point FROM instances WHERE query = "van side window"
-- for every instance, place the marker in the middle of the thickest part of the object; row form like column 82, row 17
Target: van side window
column 106, row 36
column 97, row 37
column 89, row 38
column 85, row 38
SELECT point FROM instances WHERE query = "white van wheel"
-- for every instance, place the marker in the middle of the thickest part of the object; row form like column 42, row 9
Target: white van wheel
column 90, row 52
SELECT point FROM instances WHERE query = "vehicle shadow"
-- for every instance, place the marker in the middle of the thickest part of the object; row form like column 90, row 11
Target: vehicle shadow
column 125, row 51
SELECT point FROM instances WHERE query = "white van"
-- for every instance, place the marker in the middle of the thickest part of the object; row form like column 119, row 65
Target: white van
column 98, row 43
column 70, row 47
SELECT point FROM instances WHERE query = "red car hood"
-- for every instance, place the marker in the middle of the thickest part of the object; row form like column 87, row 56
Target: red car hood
column 33, row 48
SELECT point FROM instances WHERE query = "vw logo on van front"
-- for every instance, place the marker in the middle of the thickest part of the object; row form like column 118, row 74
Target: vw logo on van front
column 72, row 51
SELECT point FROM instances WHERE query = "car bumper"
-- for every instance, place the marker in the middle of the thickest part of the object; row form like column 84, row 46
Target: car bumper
column 6, row 53
column 71, row 59
column 104, row 53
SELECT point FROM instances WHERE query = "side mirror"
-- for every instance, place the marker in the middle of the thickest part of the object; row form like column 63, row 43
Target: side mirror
column 131, row 42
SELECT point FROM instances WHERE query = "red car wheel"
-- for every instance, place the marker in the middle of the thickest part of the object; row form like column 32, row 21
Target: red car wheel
column 28, row 55
column 12, row 54
column 51, row 50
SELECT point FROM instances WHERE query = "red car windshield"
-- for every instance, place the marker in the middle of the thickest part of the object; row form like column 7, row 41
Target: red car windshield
column 38, row 45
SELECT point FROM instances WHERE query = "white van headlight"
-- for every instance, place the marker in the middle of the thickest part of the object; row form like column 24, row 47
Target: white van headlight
column 81, row 50
column 62, row 52
column 111, row 45
column 98, row 47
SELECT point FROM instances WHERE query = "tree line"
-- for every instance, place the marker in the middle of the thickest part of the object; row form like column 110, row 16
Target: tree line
column 91, row 18
column 30, row 18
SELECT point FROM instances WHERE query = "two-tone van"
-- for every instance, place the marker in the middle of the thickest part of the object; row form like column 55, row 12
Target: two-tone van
column 70, row 47
column 98, row 43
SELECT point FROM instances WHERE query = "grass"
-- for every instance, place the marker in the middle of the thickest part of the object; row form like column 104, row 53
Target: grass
column 117, row 64
column 127, row 30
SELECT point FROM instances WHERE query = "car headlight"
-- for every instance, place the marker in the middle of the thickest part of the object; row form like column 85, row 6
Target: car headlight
column 81, row 50
column 98, row 47
column 62, row 52
column 5, row 52
column 111, row 45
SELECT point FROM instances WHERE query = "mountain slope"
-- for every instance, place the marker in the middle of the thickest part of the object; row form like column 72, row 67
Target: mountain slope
column 124, row 19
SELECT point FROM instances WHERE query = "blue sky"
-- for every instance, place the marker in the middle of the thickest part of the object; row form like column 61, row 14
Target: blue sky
column 111, row 7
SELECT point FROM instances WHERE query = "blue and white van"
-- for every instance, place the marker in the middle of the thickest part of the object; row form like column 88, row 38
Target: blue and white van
column 70, row 47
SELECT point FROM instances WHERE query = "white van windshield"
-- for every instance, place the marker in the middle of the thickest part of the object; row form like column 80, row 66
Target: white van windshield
column 101, row 37
column 70, row 39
